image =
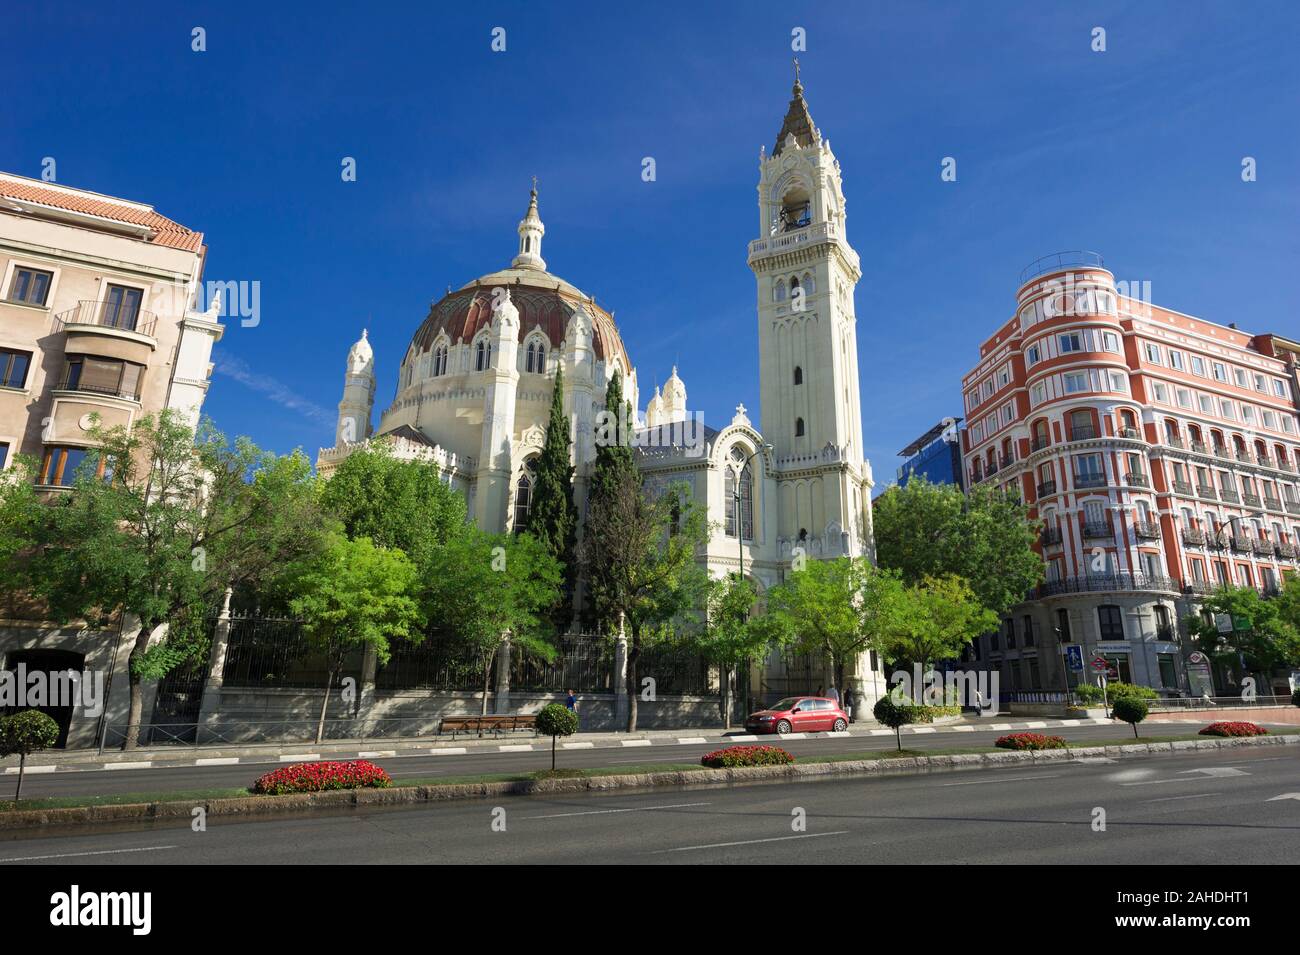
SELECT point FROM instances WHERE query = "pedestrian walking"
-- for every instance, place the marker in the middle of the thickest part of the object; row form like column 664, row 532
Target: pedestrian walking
column 834, row 694
column 571, row 702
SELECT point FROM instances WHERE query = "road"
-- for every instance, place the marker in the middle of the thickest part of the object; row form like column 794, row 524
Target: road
column 161, row 780
column 1202, row 807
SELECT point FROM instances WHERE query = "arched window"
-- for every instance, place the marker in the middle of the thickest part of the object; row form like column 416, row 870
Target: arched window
column 798, row 427
column 738, row 486
column 778, row 292
column 523, row 500
column 440, row 361
column 532, row 355
column 798, row 375
column 482, row 355
column 536, row 357
column 809, row 283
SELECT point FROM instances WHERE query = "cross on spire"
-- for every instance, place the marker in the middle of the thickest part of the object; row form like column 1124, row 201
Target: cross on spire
column 796, row 71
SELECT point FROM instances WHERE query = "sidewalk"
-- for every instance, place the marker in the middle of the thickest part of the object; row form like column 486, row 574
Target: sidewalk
column 521, row 742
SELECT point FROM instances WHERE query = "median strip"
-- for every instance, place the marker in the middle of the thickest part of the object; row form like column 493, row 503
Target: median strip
column 96, row 810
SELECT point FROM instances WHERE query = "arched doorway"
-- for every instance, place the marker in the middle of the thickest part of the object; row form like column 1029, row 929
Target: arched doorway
column 49, row 662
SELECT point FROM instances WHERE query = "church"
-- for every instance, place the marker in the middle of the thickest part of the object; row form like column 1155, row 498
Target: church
column 474, row 392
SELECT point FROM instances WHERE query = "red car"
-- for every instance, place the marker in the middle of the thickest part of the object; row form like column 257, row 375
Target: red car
column 799, row 714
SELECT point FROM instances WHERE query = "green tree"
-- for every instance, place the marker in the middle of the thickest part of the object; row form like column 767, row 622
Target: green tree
column 731, row 636
column 24, row 733
column 930, row 530
column 490, row 588
column 394, row 502
column 159, row 523
column 20, row 513
column 1264, row 635
column 352, row 595
column 641, row 557
column 553, row 518
column 556, row 720
column 1130, row 709
column 896, row 712
column 939, row 617
column 836, row 609
column 613, row 469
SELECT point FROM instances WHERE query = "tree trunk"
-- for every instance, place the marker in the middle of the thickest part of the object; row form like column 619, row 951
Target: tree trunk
column 22, row 765
column 632, row 694
column 726, row 698
column 135, row 711
column 487, row 682
column 898, row 735
column 552, row 754
column 324, row 703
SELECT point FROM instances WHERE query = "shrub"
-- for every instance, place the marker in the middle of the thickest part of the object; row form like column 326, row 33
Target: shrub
column 1087, row 693
column 1118, row 691
column 1295, row 697
column 1130, row 709
column 24, row 733
column 555, row 720
column 317, row 777
column 897, row 713
column 1030, row 741
column 929, row 713
column 1231, row 728
column 734, row 756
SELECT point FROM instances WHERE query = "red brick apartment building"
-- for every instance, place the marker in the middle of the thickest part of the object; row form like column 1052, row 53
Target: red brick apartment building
column 1161, row 452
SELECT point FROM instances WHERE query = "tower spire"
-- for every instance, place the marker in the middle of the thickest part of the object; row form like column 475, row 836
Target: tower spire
column 531, row 231
column 798, row 121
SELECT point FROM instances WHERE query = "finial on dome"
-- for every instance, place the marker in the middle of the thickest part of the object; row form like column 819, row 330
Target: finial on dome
column 530, row 231
column 798, row 87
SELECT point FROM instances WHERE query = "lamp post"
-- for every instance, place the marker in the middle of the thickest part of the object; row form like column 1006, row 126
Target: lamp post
column 1060, row 652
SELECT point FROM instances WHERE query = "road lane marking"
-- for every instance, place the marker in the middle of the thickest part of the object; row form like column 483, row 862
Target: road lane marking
column 1283, row 796
column 1173, row 798
column 606, row 812
column 49, row 768
column 1037, row 725
column 294, row 757
column 447, row 751
column 217, row 761
column 754, row 842
column 923, row 729
column 743, row 739
column 635, row 742
column 1000, row 726
column 375, row 753
column 586, row 745
column 692, row 740
column 793, row 735
column 72, row 855
column 1004, row 779
column 963, row 729
column 142, row 764
column 516, row 748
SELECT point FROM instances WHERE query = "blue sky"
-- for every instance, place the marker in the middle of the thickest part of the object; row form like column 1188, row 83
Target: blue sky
column 1135, row 152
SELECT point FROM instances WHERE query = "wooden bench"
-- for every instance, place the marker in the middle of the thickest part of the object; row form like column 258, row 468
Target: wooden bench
column 495, row 724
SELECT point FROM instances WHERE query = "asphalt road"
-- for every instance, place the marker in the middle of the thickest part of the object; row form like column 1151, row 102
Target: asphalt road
column 188, row 778
column 1204, row 807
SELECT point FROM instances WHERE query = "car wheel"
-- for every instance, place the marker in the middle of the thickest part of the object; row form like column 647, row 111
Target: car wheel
column 783, row 727
column 840, row 726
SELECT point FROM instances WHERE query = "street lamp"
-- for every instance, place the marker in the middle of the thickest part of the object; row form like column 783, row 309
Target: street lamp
column 1060, row 652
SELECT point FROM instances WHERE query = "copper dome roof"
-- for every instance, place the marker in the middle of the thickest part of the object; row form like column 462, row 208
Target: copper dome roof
column 542, row 299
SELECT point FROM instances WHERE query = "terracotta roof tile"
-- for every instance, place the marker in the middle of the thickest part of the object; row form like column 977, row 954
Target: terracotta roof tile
column 167, row 233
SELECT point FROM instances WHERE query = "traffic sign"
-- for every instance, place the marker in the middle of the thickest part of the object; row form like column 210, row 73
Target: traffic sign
column 1099, row 664
column 1074, row 658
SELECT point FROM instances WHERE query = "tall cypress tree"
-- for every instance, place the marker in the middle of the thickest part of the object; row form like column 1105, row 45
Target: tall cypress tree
column 553, row 518
column 614, row 465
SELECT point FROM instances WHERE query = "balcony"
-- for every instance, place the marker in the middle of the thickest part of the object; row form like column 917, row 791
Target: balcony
column 1285, row 549
column 1173, row 441
column 1046, row 488
column 1221, row 452
column 1285, row 464
column 1129, row 433
column 1200, row 447
column 1204, row 587
column 1263, row 548
column 1264, row 459
column 1251, row 500
column 1146, row 530
column 1040, row 442
column 1229, row 495
column 1292, row 507
column 108, row 315
column 1273, row 503
column 1083, row 433
column 1243, row 455
column 1194, row 537
column 1084, row 481
column 991, row 468
column 130, row 394
column 1136, row 479
column 1050, row 536
column 1059, row 261
column 1094, row 583
column 1097, row 531
column 1204, row 490
column 1240, row 544
column 1182, row 487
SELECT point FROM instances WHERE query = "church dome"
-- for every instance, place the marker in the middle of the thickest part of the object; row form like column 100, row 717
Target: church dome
column 544, row 301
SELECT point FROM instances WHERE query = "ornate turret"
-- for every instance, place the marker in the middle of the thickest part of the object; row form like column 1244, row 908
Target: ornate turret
column 531, row 231
column 358, row 394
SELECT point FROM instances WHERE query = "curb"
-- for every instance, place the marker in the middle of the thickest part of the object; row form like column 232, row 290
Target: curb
column 687, row 779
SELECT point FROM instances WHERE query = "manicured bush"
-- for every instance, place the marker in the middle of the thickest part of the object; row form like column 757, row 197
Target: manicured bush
column 734, row 756
column 1087, row 693
column 24, row 733
column 1233, row 728
column 555, row 720
column 897, row 713
column 1117, row 691
column 930, row 713
column 1030, row 741
column 1130, row 709
column 318, row 777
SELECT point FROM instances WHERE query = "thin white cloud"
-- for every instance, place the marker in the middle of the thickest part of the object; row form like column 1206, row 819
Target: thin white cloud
column 276, row 391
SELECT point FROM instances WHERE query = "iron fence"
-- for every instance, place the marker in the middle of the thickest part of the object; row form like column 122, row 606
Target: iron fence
column 274, row 652
column 438, row 662
column 674, row 669
column 584, row 664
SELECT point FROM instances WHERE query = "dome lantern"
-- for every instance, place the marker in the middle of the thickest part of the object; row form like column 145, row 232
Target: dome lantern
column 531, row 231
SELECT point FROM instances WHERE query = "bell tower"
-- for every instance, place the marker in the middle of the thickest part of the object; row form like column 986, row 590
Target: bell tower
column 805, row 272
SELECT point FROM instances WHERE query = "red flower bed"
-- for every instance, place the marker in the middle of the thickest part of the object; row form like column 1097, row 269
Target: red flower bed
column 734, row 756
column 316, row 777
column 1230, row 728
column 1029, row 741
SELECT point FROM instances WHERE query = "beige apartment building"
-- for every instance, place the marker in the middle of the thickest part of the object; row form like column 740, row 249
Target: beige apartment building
column 97, row 317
